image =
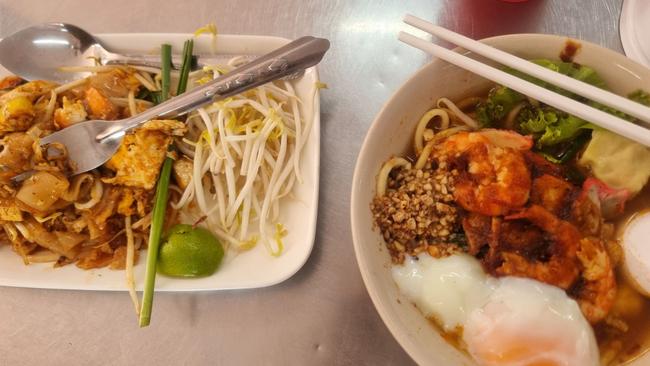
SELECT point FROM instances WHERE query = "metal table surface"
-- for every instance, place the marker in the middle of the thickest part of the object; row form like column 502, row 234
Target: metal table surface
column 322, row 315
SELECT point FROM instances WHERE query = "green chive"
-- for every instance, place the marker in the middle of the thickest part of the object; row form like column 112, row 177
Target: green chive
column 166, row 58
column 185, row 68
column 155, row 232
column 160, row 205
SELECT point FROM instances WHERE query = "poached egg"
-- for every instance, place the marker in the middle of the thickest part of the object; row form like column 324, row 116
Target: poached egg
column 503, row 321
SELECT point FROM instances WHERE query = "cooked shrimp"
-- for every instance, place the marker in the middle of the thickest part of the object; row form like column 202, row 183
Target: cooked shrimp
column 554, row 194
column 497, row 179
column 99, row 106
column 561, row 269
column 597, row 294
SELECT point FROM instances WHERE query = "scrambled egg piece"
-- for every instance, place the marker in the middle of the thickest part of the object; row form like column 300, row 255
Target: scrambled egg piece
column 17, row 110
column 133, row 201
column 126, row 201
column 31, row 90
column 16, row 114
column 138, row 160
column 70, row 113
column 9, row 211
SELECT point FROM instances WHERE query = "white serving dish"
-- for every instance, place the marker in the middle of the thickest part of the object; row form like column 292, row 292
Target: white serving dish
column 255, row 268
column 634, row 28
column 391, row 133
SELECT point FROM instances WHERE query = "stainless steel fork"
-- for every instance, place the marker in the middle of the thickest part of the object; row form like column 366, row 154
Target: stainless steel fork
column 90, row 144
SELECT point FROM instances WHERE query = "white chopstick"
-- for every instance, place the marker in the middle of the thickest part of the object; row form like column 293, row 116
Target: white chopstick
column 595, row 116
column 581, row 88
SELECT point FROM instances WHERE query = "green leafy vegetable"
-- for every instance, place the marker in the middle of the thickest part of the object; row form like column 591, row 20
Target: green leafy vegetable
column 499, row 103
column 575, row 71
column 558, row 135
column 565, row 129
column 587, row 75
column 548, row 125
column 552, row 127
column 565, row 151
column 609, row 110
column 640, row 96
column 502, row 100
column 533, row 121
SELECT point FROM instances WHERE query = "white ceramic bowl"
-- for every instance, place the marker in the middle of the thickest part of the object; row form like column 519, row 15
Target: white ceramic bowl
column 391, row 134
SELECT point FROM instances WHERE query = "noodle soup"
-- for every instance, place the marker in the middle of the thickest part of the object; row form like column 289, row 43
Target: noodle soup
column 515, row 207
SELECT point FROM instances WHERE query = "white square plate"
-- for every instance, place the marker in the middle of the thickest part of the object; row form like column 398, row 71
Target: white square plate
column 255, row 268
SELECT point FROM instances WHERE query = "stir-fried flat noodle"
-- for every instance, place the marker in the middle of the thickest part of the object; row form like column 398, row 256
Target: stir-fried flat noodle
column 489, row 193
column 52, row 215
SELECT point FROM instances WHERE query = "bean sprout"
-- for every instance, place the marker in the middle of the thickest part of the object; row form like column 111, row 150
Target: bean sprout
column 246, row 157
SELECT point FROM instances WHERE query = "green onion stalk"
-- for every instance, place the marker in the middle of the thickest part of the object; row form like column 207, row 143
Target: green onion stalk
column 162, row 188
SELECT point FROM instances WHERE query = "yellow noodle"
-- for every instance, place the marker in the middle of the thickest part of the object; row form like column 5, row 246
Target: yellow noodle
column 468, row 102
column 382, row 178
column 444, row 102
column 422, row 125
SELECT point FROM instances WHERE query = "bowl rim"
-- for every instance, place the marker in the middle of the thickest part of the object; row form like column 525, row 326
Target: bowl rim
column 389, row 320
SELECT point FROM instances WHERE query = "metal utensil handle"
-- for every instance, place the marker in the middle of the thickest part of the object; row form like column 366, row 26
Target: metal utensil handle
column 139, row 60
column 295, row 56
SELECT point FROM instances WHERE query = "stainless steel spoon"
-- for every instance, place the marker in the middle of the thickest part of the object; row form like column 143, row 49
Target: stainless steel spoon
column 90, row 144
column 39, row 51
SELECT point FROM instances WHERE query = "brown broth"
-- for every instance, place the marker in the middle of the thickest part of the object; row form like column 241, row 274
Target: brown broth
column 636, row 341
column 453, row 338
column 618, row 347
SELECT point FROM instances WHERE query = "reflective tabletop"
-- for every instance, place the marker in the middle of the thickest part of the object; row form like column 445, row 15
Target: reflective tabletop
column 322, row 315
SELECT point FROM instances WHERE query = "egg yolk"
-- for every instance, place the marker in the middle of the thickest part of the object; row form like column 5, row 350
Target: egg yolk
column 521, row 350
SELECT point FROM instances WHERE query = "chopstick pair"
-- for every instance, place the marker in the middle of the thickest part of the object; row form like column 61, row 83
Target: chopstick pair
column 595, row 116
